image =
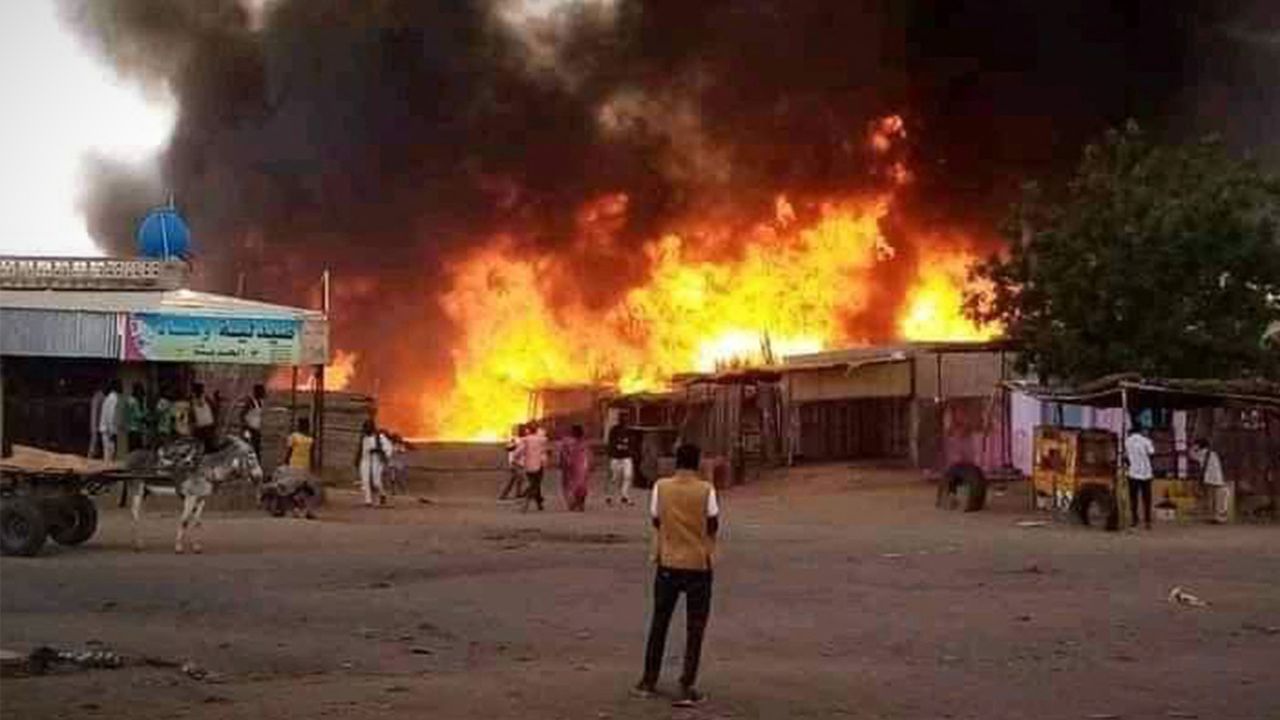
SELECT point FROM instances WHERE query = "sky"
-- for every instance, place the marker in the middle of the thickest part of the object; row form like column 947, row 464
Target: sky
column 54, row 117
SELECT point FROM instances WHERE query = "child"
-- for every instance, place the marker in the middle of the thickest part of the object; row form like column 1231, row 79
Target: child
column 397, row 470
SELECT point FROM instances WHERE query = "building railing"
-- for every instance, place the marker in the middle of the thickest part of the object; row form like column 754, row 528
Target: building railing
column 40, row 273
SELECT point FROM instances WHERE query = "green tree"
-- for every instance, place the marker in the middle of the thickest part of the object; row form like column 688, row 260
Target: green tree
column 1162, row 260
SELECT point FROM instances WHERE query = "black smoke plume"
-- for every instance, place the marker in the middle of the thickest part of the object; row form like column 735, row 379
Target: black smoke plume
column 379, row 137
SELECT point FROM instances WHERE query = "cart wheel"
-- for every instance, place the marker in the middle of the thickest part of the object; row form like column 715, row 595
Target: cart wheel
column 21, row 526
column 1096, row 506
column 71, row 519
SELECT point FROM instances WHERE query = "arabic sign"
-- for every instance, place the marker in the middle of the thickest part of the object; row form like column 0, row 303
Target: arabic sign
column 188, row 338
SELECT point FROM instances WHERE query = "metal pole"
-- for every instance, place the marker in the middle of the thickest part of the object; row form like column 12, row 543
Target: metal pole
column 293, row 401
column 325, row 296
column 319, row 404
column 318, row 385
column 1119, row 489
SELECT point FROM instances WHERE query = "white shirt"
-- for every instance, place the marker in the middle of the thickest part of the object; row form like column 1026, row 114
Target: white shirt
column 1212, row 465
column 531, row 451
column 713, row 505
column 253, row 416
column 369, row 444
column 203, row 412
column 107, row 414
column 1138, row 449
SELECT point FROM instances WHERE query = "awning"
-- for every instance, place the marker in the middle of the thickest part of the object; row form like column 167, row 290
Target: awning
column 1179, row 394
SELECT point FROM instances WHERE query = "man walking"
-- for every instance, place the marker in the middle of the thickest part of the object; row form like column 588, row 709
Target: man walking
column 1211, row 467
column 686, row 518
column 1138, row 450
column 515, row 477
column 531, row 454
column 621, row 466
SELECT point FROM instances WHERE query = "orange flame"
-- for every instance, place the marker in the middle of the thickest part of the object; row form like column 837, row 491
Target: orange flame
column 790, row 288
column 935, row 303
column 796, row 283
column 337, row 374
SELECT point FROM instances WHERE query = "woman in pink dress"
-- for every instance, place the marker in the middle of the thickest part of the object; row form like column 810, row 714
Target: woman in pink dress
column 575, row 465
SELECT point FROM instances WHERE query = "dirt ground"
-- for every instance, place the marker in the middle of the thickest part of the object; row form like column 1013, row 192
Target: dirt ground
column 841, row 592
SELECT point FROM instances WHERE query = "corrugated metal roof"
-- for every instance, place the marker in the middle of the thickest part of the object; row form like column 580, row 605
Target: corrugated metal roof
column 169, row 302
column 59, row 334
column 900, row 351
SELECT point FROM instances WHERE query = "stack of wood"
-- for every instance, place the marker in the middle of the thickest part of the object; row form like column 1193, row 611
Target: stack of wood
column 35, row 459
column 344, row 413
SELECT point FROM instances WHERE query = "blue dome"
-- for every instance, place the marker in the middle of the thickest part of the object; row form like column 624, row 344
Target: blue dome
column 163, row 234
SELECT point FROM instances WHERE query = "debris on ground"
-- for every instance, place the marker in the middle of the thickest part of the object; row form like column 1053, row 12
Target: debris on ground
column 1182, row 597
column 891, row 556
column 426, row 501
column 44, row 658
column 1264, row 629
column 1032, row 523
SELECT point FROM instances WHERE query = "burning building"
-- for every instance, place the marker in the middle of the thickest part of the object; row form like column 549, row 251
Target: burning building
column 513, row 194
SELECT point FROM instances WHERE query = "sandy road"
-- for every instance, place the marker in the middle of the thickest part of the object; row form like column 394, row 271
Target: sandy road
column 841, row 593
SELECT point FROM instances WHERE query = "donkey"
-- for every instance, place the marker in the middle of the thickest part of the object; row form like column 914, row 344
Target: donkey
column 191, row 476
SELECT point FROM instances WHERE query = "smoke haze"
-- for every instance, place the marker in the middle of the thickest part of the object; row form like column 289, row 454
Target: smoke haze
column 380, row 137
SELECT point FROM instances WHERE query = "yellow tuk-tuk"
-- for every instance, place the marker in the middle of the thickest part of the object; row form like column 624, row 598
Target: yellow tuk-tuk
column 1074, row 475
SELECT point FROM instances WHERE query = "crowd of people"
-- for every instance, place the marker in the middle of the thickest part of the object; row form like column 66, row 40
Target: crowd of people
column 1139, row 451
column 531, row 453
column 122, row 423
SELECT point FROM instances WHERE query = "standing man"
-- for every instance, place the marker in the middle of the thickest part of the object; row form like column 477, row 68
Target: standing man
column 251, row 418
column 515, row 480
column 1138, row 450
column 109, row 421
column 621, row 466
column 1211, row 467
column 531, row 454
column 686, row 518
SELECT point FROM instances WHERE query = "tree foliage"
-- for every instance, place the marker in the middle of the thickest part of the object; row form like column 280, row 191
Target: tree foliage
column 1162, row 260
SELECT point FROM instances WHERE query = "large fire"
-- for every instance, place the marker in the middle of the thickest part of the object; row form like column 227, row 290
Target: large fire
column 793, row 283
column 789, row 291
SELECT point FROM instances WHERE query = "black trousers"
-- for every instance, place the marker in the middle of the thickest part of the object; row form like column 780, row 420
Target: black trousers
column 534, row 491
column 667, row 587
column 1136, row 488
column 514, row 482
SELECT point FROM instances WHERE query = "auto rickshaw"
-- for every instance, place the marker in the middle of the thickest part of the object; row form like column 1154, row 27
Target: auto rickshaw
column 1075, row 475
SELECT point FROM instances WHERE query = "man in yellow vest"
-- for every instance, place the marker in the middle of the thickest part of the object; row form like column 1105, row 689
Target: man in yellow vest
column 686, row 518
